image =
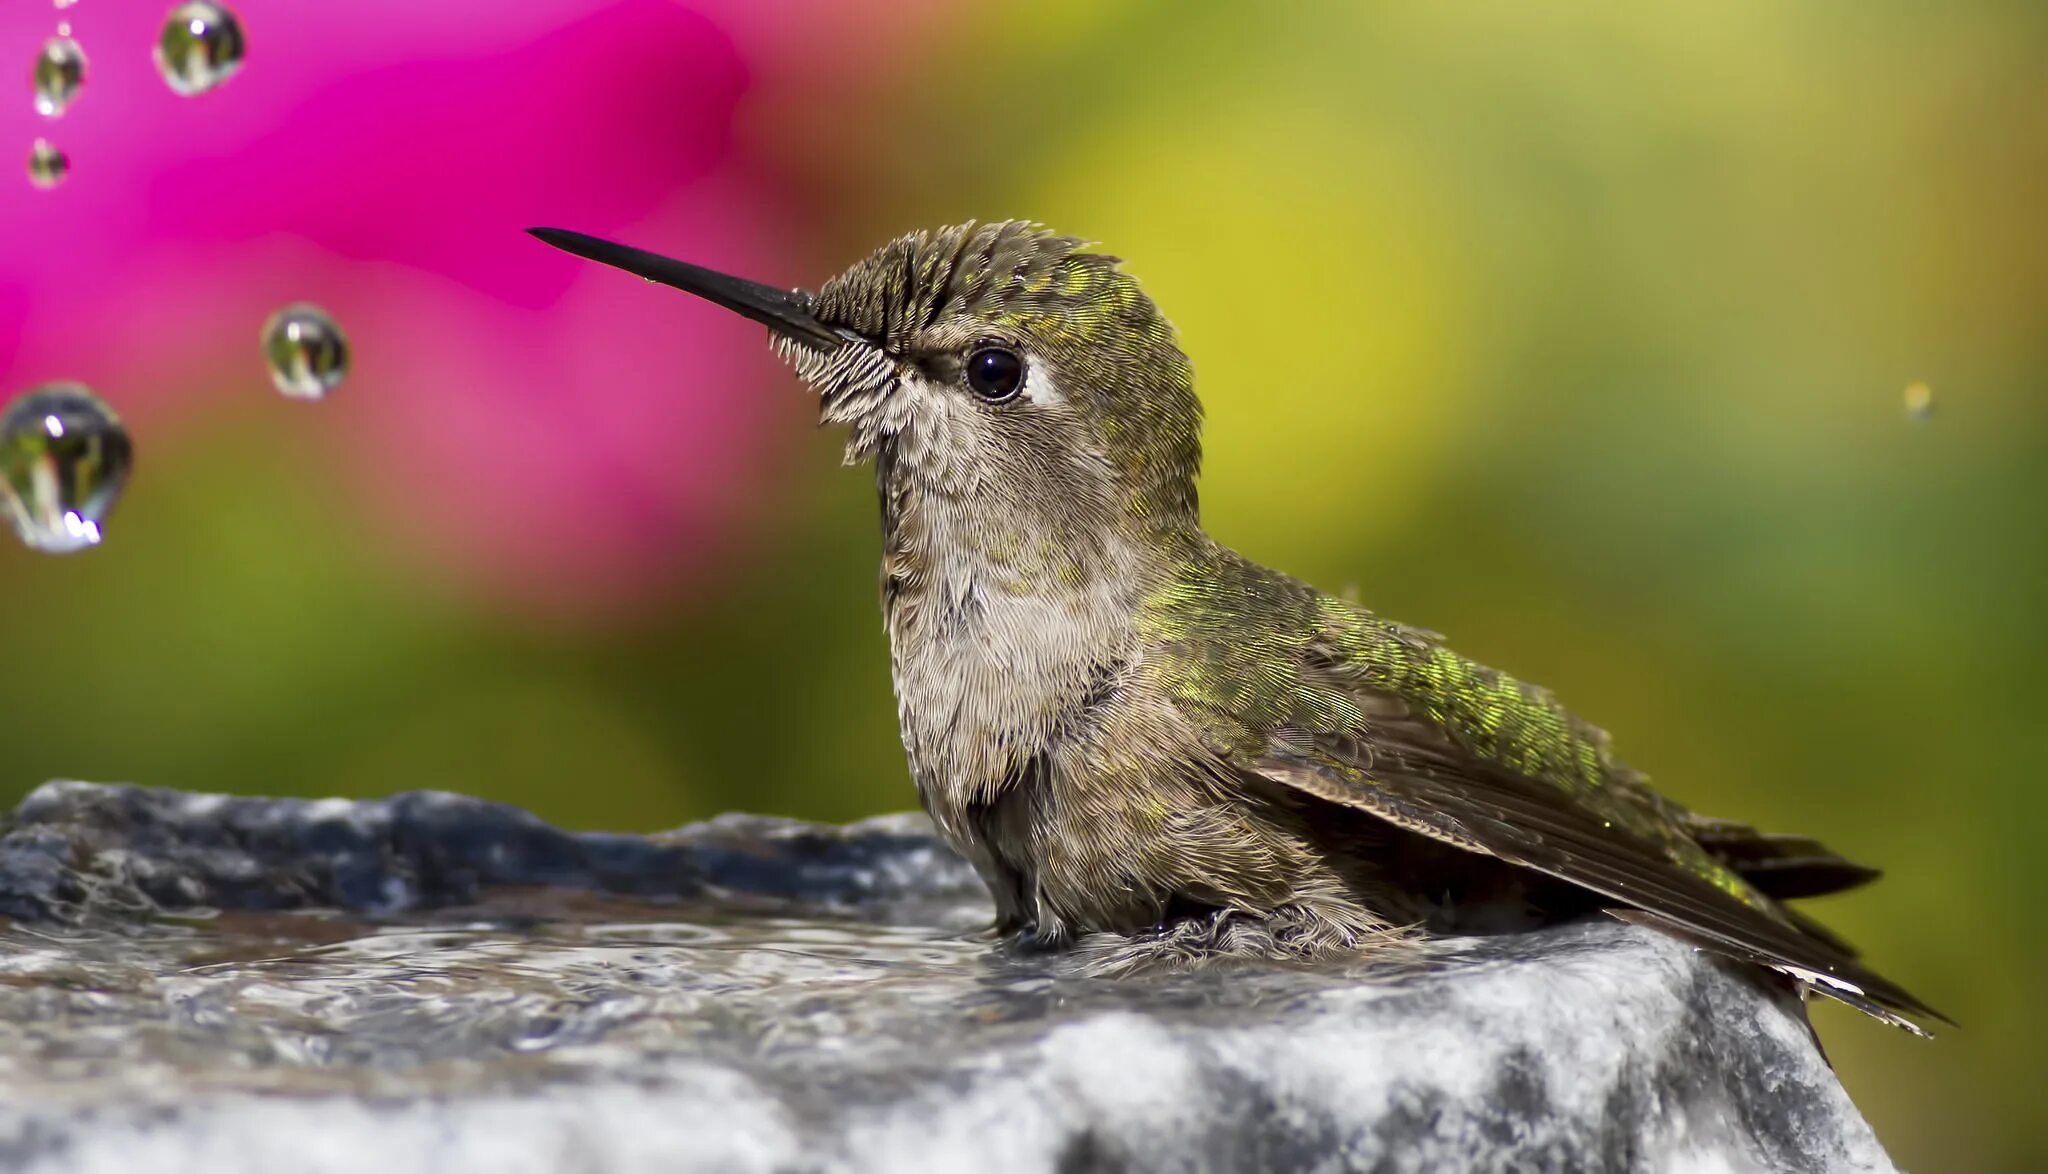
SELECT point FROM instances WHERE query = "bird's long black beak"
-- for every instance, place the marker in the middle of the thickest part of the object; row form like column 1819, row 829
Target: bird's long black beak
column 788, row 314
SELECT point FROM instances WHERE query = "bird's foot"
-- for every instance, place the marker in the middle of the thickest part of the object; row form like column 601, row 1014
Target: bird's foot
column 1290, row 934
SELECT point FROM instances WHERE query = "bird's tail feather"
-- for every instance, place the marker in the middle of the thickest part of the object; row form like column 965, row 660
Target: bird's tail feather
column 1783, row 867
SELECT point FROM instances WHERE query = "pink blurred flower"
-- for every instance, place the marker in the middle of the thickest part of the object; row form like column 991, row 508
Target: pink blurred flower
column 555, row 431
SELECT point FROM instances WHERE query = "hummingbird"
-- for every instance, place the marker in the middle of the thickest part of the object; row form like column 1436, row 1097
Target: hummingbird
column 1151, row 747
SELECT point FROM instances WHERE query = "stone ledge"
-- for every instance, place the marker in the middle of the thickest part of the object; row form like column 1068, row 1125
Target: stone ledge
column 432, row 982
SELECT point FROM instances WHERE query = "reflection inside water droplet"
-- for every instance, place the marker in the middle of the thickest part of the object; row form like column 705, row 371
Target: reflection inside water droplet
column 59, row 72
column 200, row 48
column 64, row 457
column 47, row 166
column 306, row 352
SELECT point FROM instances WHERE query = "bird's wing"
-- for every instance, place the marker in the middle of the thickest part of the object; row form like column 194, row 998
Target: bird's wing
column 1383, row 719
column 1452, row 797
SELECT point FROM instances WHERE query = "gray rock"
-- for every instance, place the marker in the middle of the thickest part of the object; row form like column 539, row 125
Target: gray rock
column 437, row 983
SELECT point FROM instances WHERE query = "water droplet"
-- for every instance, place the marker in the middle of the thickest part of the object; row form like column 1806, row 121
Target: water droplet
column 200, row 48
column 1919, row 401
column 47, row 166
column 63, row 28
column 59, row 72
column 64, row 457
column 66, row 3
column 307, row 353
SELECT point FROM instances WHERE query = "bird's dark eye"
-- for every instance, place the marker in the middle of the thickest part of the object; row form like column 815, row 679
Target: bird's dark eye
column 995, row 373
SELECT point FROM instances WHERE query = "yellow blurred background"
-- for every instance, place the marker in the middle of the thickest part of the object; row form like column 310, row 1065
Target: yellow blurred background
column 1576, row 332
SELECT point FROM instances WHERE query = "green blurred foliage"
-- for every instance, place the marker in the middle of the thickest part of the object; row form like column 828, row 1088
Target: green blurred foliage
column 1576, row 332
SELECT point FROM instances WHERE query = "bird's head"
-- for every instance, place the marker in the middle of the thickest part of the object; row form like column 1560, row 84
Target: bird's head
column 1000, row 365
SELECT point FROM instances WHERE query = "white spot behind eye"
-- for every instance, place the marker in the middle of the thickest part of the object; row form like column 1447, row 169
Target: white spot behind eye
column 1038, row 385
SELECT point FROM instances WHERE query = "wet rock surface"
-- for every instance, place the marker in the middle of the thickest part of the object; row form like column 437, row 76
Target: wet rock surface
column 432, row 982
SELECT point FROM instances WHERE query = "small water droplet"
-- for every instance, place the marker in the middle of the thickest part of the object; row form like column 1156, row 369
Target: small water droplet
column 59, row 72
column 200, row 48
column 306, row 352
column 64, row 457
column 66, row 3
column 63, row 28
column 1919, row 400
column 47, row 166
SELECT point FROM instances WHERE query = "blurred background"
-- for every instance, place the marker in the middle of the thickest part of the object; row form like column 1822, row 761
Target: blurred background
column 1579, row 333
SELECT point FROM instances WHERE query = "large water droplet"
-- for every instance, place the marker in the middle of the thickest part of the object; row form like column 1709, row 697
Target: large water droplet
column 307, row 353
column 64, row 457
column 200, row 48
column 47, row 166
column 59, row 72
